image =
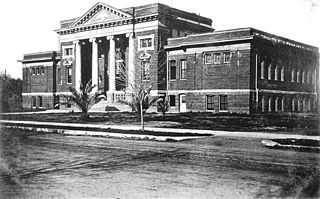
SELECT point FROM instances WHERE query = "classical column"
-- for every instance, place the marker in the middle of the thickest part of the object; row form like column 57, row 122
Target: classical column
column 94, row 69
column 78, row 64
column 130, row 69
column 112, row 62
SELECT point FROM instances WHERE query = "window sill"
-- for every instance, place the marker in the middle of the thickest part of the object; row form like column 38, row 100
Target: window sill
column 223, row 111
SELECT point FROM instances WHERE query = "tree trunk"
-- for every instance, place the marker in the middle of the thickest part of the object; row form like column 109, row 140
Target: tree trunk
column 141, row 117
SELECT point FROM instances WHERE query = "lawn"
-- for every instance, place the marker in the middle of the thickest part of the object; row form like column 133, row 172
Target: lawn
column 191, row 120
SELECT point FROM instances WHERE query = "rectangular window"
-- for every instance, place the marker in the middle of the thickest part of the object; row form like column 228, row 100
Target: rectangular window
column 59, row 76
column 207, row 59
column 226, row 57
column 174, row 33
column 210, row 102
column 147, row 42
column 68, row 51
column 183, row 69
column 34, row 102
column 33, row 71
column 223, row 99
column 292, row 75
column 173, row 69
column 145, row 71
column 42, row 70
column 40, row 101
column 68, row 103
column 282, row 73
column 69, row 75
column 270, row 72
column 216, row 58
column 298, row 76
column 262, row 70
column 38, row 71
column 172, row 100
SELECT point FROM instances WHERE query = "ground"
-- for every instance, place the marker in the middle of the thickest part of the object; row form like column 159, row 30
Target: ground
column 287, row 124
column 42, row 165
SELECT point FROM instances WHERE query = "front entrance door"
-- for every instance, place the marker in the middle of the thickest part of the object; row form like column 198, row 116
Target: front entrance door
column 183, row 103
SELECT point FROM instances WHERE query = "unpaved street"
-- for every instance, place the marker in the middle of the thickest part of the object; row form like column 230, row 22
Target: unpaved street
column 37, row 165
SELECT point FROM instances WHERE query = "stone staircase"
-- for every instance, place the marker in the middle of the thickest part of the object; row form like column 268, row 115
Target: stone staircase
column 111, row 104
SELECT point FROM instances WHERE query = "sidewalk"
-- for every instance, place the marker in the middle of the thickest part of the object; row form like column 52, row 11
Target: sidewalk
column 100, row 130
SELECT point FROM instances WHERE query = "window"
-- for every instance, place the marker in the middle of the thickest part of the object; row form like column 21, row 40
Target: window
column 282, row 73
column 263, row 104
column 146, row 42
column 173, row 70
column 262, row 69
column 276, row 104
column 145, row 70
column 210, row 102
column 69, row 75
column 38, row 71
column 277, row 73
column 174, row 33
column 183, row 69
column 40, row 101
column 308, row 77
column 299, row 104
column 207, row 59
column 223, row 99
column 68, row 103
column 269, row 72
column 172, row 100
column 269, row 104
column 298, row 76
column 293, row 104
column 68, row 51
column 282, row 104
column 34, row 102
column 292, row 75
column 226, row 57
column 303, row 77
column 33, row 71
column 59, row 76
column 216, row 58
column 42, row 70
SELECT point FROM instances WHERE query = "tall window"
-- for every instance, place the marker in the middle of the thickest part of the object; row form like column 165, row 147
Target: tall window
column 276, row 73
column 145, row 71
column 282, row 73
column 34, row 102
column 282, row 104
column 173, row 69
column 292, row 75
column 303, row 77
column 59, row 76
column 298, row 76
column 226, row 57
column 38, row 71
column 217, row 58
column 308, row 77
column 210, row 102
column 69, row 75
column 33, row 71
column 263, row 104
column 276, row 104
column 270, row 104
column 42, row 70
column 269, row 71
column 293, row 105
column 207, row 59
column 262, row 69
column 40, row 101
column 223, row 99
column 183, row 69
column 172, row 100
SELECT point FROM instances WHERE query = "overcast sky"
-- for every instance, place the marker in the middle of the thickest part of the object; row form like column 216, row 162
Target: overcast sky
column 28, row 26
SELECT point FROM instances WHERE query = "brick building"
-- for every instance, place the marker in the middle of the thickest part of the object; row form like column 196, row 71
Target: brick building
column 105, row 42
column 241, row 70
column 180, row 55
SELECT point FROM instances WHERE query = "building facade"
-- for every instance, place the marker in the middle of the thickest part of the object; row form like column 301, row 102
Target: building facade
column 242, row 70
column 180, row 55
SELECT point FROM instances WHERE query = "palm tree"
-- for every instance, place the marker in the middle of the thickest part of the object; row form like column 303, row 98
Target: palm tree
column 83, row 99
column 140, row 101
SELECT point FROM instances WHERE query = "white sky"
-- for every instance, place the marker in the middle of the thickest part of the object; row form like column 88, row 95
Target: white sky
column 28, row 26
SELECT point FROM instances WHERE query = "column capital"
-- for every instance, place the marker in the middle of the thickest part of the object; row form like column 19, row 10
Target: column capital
column 130, row 35
column 93, row 39
column 109, row 37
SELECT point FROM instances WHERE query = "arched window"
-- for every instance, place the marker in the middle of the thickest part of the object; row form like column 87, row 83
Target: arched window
column 282, row 104
column 276, row 104
column 308, row 77
column 262, row 69
column 269, row 71
column 276, row 73
column 282, row 73
column 303, row 77
column 263, row 104
column 293, row 104
column 298, row 76
column 292, row 75
column 299, row 104
column 269, row 104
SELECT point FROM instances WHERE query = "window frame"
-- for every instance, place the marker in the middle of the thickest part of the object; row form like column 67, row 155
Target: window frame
column 172, row 100
column 224, row 103
column 217, row 55
column 224, row 57
column 69, row 75
column 69, row 49
column 183, row 71
column 40, row 102
column 141, row 38
column 207, row 55
column 171, row 69
column 210, row 105
column 33, row 102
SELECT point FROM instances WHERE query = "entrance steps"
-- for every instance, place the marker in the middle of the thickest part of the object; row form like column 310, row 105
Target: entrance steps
column 105, row 106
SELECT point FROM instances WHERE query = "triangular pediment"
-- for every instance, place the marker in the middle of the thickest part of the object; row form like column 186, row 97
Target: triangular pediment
column 101, row 12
